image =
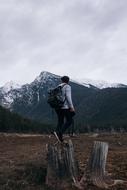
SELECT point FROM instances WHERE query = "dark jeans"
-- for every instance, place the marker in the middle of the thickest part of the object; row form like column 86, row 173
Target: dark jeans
column 64, row 120
column 71, row 128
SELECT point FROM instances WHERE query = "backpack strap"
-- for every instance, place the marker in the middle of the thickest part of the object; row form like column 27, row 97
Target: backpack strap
column 62, row 85
column 65, row 93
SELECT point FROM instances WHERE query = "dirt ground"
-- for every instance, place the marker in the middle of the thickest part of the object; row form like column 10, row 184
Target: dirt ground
column 23, row 159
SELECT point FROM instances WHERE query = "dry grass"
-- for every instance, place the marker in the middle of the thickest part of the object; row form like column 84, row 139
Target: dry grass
column 23, row 159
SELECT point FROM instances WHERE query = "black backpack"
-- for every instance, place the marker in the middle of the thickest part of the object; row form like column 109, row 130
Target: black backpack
column 55, row 98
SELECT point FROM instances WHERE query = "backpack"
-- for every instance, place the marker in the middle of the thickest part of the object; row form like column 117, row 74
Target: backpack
column 55, row 98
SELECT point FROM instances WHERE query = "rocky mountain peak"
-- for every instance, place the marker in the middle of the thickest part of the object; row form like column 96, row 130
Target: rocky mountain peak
column 10, row 86
column 45, row 76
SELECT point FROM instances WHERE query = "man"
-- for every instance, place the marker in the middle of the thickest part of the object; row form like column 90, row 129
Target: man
column 67, row 111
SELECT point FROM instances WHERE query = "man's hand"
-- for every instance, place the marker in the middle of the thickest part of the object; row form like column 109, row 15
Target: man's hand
column 72, row 110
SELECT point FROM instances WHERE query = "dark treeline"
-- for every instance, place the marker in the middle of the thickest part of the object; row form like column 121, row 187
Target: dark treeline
column 109, row 127
column 12, row 122
column 106, row 110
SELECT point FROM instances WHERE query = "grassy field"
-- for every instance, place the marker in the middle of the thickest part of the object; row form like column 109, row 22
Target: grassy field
column 23, row 159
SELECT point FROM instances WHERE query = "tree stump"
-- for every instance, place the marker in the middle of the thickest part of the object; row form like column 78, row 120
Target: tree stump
column 62, row 167
column 96, row 173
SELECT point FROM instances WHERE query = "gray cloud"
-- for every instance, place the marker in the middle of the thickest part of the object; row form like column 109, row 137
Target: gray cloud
column 76, row 37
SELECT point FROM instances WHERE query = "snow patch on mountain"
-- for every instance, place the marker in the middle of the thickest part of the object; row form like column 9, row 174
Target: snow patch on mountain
column 7, row 94
column 10, row 86
column 99, row 83
column 45, row 76
column 81, row 83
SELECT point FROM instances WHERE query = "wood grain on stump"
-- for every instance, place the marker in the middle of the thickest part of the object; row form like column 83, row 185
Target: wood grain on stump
column 62, row 168
column 96, row 173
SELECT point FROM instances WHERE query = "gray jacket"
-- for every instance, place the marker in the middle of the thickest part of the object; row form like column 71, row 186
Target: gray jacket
column 66, row 93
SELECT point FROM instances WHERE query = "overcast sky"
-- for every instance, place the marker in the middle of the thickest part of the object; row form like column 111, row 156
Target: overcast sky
column 79, row 38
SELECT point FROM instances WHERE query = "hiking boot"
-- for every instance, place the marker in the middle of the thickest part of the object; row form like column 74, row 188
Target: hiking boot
column 58, row 136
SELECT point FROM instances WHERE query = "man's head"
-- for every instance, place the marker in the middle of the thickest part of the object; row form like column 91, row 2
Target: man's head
column 65, row 79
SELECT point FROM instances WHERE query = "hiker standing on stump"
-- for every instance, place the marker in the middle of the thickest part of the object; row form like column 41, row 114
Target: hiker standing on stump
column 60, row 99
column 66, row 112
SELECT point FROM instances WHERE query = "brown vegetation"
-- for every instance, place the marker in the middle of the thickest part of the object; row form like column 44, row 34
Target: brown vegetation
column 23, row 159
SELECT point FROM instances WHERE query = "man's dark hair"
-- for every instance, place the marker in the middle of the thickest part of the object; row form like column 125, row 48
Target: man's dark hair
column 65, row 79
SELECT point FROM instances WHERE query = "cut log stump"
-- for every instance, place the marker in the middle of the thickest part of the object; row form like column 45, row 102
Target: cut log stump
column 62, row 167
column 96, row 173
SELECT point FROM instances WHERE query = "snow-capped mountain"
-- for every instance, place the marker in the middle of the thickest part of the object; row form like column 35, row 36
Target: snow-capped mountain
column 100, row 84
column 7, row 93
column 46, row 76
column 12, row 94
column 90, row 98
column 10, row 86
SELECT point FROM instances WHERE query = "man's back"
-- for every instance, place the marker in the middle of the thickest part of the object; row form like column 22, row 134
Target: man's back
column 66, row 93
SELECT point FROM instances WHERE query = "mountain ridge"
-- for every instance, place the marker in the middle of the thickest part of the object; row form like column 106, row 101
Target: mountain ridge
column 45, row 75
column 94, row 106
